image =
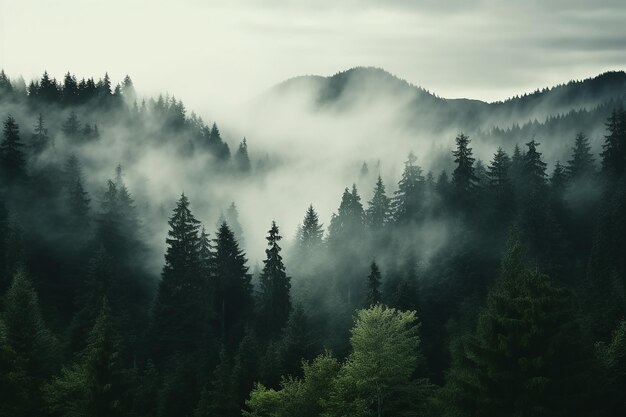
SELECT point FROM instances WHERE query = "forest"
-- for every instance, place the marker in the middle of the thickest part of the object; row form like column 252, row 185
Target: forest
column 493, row 288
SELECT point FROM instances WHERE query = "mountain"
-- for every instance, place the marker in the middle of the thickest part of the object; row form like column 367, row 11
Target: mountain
column 588, row 100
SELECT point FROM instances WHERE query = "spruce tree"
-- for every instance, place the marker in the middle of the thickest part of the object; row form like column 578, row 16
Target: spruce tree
column 311, row 232
column 40, row 139
column 373, row 294
column 274, row 299
column 177, row 316
column 27, row 336
column 407, row 203
column 463, row 177
column 71, row 126
column 500, row 186
column 379, row 207
column 526, row 356
column 232, row 218
column 582, row 164
column 12, row 159
column 614, row 146
column 242, row 160
column 233, row 288
column 300, row 342
column 348, row 223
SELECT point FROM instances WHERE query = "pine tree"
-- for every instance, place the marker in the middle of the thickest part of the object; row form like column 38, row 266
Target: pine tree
column 27, row 336
column 379, row 207
column 242, row 160
column 349, row 221
column 407, row 202
column 233, row 288
column 71, row 126
column 463, row 176
column 177, row 324
column 275, row 303
column 614, row 147
column 95, row 384
column 526, row 356
column 40, row 139
column 582, row 164
column 311, row 232
column 232, row 218
column 6, row 88
column 558, row 179
column 500, row 185
column 373, row 294
column 534, row 169
column 12, row 160
column 299, row 342
column 246, row 367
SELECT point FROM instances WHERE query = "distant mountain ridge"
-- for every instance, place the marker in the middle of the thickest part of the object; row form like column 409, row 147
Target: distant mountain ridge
column 587, row 102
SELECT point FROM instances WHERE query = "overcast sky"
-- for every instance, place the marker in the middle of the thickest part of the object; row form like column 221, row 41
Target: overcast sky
column 214, row 54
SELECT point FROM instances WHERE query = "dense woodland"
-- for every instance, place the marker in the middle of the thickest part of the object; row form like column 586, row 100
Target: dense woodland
column 517, row 310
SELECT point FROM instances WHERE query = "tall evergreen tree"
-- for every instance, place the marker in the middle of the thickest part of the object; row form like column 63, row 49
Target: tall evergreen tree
column 12, row 159
column 242, row 160
column 311, row 232
column 275, row 303
column 407, row 202
column 463, row 176
column 28, row 337
column 40, row 139
column 233, row 288
column 349, row 221
column 379, row 207
column 582, row 164
column 373, row 294
column 526, row 356
column 614, row 147
column 71, row 126
column 177, row 324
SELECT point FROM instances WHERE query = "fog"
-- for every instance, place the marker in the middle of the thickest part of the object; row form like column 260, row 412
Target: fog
column 216, row 55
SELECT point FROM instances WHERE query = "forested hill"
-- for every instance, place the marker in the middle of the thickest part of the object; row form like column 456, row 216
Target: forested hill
column 493, row 288
column 422, row 109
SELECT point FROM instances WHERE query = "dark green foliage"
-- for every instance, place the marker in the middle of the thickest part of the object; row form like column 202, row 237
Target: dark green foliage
column 40, row 140
column 614, row 147
column 582, row 164
column 71, row 127
column 310, row 234
column 408, row 198
column 378, row 211
column 299, row 343
column 373, row 295
column 28, row 345
column 274, row 301
column 12, row 159
column 233, row 291
column 95, row 384
column 349, row 221
column 463, row 177
column 526, row 356
column 178, row 307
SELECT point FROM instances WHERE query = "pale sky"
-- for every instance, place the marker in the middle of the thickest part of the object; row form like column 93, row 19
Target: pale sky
column 216, row 54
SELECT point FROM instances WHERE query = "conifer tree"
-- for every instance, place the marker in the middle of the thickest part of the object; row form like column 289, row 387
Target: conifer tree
column 582, row 164
column 12, row 159
column 232, row 218
column 534, row 169
column 30, row 340
column 463, row 176
column 233, row 288
column 40, row 139
column 614, row 147
column 299, row 342
column 373, row 295
column 349, row 221
column 407, row 202
column 379, row 207
column 242, row 160
column 6, row 88
column 311, row 232
column 71, row 126
column 177, row 324
column 275, row 303
column 526, row 356
column 95, row 384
